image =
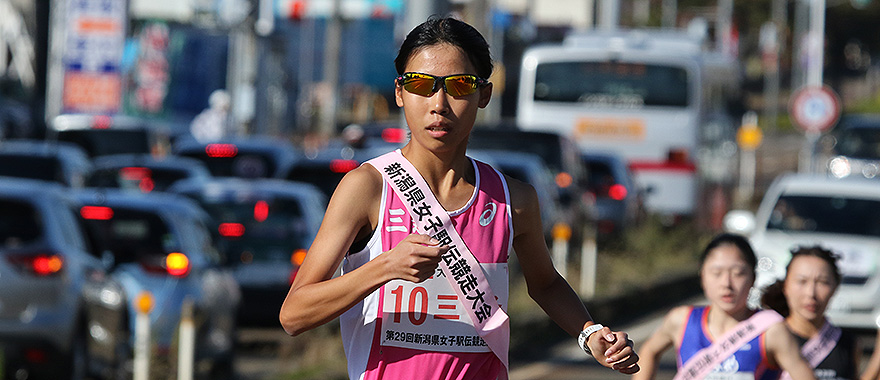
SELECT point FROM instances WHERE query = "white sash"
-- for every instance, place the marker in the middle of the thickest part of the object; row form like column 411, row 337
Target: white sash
column 818, row 347
column 430, row 218
column 705, row 360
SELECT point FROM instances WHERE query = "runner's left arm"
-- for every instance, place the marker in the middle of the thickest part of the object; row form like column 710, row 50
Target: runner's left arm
column 550, row 290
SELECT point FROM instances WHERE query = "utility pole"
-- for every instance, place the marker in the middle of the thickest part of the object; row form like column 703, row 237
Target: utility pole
column 332, row 46
column 609, row 14
column 669, row 13
column 724, row 27
column 816, row 43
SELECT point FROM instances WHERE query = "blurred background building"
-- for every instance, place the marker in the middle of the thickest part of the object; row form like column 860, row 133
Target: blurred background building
column 297, row 66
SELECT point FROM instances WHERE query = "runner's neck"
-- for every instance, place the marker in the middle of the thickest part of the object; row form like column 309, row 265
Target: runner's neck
column 803, row 327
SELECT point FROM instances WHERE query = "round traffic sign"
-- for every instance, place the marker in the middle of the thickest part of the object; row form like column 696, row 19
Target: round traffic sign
column 815, row 109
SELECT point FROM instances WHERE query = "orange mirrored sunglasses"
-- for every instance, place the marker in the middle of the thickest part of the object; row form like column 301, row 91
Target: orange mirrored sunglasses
column 427, row 84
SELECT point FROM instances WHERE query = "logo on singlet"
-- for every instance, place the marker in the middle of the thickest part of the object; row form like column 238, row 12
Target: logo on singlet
column 487, row 216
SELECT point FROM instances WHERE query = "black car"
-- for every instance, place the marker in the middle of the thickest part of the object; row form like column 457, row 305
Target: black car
column 143, row 172
column 101, row 135
column 60, row 312
column 253, row 157
column 324, row 168
column 855, row 147
column 51, row 161
column 264, row 228
column 563, row 158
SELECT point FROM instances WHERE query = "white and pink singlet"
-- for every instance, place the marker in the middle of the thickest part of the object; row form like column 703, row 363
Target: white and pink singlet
column 407, row 330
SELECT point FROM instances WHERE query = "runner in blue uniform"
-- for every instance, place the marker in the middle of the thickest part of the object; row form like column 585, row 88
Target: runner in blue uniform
column 727, row 271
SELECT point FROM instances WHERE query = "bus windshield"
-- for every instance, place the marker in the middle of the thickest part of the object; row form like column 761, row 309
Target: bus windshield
column 612, row 84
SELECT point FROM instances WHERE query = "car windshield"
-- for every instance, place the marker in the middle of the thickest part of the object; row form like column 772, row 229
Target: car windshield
column 839, row 215
column 545, row 146
column 321, row 176
column 130, row 235
column 20, row 224
column 601, row 177
column 256, row 229
column 612, row 84
column 100, row 142
column 137, row 178
column 860, row 143
column 33, row 167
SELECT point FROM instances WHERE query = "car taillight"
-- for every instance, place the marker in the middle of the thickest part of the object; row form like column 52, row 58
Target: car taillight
column 42, row 265
column 102, row 122
column 617, row 192
column 563, row 180
column 261, row 211
column 297, row 257
column 231, row 230
column 393, row 135
column 96, row 212
column 177, row 264
column 343, row 166
column 678, row 156
column 221, row 150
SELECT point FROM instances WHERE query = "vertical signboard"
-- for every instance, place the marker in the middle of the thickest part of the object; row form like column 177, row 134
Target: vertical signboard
column 94, row 38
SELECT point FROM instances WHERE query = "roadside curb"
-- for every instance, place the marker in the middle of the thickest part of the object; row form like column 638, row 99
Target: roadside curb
column 530, row 338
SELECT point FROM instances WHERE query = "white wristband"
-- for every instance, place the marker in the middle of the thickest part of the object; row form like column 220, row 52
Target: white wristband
column 584, row 335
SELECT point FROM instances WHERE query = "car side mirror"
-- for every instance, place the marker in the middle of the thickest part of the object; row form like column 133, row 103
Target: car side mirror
column 739, row 221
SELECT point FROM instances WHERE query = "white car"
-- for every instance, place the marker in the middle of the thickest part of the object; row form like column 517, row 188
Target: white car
column 842, row 215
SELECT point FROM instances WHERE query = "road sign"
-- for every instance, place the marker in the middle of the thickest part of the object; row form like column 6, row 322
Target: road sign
column 92, row 56
column 815, row 109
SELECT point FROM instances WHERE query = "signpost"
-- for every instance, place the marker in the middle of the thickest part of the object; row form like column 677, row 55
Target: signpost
column 92, row 56
column 814, row 110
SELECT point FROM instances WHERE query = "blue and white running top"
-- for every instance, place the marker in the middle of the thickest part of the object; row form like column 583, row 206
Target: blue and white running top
column 749, row 363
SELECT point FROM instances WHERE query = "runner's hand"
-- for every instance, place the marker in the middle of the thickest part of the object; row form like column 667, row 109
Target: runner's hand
column 614, row 350
column 415, row 258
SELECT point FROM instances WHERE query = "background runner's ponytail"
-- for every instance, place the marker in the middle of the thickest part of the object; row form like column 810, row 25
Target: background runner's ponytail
column 774, row 298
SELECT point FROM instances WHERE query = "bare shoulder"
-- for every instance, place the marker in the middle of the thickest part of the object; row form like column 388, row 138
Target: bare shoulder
column 523, row 203
column 357, row 194
column 522, row 194
column 778, row 333
column 364, row 180
column 676, row 318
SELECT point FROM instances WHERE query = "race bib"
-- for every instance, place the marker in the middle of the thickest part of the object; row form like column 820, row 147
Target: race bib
column 429, row 316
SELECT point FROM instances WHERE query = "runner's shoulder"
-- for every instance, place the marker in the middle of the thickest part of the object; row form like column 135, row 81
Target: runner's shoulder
column 677, row 317
column 522, row 194
column 362, row 182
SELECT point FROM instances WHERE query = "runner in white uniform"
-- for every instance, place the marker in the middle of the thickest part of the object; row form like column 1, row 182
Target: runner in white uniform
column 415, row 305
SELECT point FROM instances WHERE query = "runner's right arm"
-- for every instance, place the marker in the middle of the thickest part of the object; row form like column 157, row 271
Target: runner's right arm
column 872, row 371
column 784, row 349
column 315, row 297
column 662, row 339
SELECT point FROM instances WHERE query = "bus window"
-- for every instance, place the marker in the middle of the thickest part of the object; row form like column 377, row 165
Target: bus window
column 620, row 84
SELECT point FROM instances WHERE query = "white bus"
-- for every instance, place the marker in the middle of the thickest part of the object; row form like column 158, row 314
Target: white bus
column 657, row 98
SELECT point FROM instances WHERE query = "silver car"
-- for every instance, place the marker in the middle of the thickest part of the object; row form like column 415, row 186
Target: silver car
column 55, row 321
column 841, row 215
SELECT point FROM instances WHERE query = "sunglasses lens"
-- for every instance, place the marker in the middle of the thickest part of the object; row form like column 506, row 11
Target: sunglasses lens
column 418, row 84
column 461, row 85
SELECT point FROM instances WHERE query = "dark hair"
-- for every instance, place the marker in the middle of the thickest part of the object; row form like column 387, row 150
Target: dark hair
column 437, row 30
column 738, row 241
column 774, row 297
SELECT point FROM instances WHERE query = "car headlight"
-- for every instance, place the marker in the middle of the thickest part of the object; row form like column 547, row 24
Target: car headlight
column 839, row 167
